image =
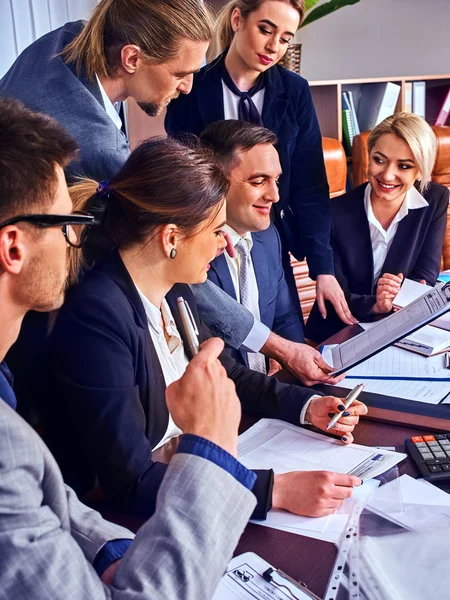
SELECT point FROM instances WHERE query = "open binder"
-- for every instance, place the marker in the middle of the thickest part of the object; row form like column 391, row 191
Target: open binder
column 428, row 307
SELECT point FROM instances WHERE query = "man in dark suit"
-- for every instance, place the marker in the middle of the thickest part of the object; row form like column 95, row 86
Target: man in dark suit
column 255, row 276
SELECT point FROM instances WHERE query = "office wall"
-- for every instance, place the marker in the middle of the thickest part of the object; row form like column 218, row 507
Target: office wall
column 378, row 38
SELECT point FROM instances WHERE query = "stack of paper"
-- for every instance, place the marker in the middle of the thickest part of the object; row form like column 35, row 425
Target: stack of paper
column 274, row 444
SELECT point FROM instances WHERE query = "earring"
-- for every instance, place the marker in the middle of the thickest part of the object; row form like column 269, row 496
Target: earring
column 173, row 253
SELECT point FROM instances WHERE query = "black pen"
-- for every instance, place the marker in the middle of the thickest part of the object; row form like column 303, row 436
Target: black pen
column 189, row 324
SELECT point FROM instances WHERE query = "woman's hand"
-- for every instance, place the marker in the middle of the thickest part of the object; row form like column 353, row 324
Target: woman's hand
column 388, row 287
column 328, row 288
column 322, row 410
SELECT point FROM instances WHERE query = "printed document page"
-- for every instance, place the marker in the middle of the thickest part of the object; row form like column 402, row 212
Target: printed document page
column 397, row 363
column 274, row 444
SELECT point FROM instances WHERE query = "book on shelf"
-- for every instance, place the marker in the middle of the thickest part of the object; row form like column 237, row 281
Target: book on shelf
column 441, row 119
column 348, row 133
column 351, row 103
column 418, row 98
column 378, row 101
column 408, row 96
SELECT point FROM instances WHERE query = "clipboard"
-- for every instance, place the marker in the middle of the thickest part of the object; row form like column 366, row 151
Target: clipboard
column 249, row 577
column 431, row 305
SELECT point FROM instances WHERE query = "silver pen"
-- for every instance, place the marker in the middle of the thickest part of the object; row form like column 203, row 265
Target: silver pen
column 189, row 324
column 348, row 401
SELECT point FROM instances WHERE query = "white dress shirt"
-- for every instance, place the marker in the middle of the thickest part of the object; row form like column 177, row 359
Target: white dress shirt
column 231, row 102
column 382, row 239
column 110, row 108
column 171, row 355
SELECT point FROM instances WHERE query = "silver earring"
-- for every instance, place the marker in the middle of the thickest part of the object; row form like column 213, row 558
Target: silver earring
column 173, row 253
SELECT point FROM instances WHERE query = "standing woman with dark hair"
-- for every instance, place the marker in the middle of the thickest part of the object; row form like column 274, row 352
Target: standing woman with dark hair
column 118, row 341
column 245, row 82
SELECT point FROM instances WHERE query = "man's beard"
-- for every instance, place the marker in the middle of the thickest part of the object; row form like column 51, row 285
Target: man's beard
column 150, row 108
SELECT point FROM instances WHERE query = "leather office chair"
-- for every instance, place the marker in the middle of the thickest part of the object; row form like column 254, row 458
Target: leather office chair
column 336, row 168
column 440, row 174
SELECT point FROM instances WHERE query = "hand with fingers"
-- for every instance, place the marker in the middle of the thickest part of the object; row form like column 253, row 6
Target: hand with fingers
column 204, row 401
column 328, row 288
column 321, row 410
column 312, row 493
column 307, row 364
column 388, row 287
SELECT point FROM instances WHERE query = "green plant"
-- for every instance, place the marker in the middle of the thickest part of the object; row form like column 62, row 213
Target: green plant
column 324, row 9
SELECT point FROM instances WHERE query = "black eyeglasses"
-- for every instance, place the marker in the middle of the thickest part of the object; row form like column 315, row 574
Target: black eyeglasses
column 74, row 227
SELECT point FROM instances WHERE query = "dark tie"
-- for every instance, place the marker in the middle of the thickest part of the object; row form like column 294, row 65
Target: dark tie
column 247, row 110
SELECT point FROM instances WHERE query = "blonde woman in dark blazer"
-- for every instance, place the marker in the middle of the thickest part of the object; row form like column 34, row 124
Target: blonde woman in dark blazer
column 390, row 228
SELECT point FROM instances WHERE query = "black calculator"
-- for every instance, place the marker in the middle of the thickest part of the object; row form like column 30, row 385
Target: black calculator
column 431, row 453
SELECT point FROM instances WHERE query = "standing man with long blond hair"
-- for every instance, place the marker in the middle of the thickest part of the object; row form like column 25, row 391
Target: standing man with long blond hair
column 142, row 49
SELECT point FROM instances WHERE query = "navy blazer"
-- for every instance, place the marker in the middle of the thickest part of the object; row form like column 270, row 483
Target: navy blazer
column 106, row 408
column 415, row 251
column 303, row 214
column 278, row 307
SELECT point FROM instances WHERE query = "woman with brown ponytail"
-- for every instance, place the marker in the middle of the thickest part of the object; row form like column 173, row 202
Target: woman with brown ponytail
column 245, row 82
column 118, row 341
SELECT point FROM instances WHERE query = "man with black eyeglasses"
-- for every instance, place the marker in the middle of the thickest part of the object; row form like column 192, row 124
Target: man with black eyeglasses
column 51, row 545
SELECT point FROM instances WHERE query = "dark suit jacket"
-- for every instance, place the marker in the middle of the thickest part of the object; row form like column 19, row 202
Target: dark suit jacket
column 303, row 214
column 106, row 407
column 43, row 82
column 279, row 309
column 415, row 251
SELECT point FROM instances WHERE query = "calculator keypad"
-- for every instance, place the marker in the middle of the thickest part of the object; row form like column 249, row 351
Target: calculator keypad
column 431, row 453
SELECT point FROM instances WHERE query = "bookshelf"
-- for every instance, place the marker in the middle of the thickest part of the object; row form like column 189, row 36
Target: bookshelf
column 327, row 98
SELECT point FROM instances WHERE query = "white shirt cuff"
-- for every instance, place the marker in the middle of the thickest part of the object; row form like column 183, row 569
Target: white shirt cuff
column 257, row 337
column 305, row 408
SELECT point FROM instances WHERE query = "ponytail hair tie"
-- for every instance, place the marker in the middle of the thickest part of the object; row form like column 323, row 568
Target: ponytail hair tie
column 100, row 200
column 103, row 188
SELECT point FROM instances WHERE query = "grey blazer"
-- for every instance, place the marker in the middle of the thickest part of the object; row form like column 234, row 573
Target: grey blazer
column 49, row 539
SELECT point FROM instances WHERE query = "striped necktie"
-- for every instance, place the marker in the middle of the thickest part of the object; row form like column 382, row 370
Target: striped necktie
column 248, row 289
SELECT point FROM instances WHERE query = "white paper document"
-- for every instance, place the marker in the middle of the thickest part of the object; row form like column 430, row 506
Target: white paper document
column 243, row 580
column 410, row 291
column 396, row 363
column 277, row 445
